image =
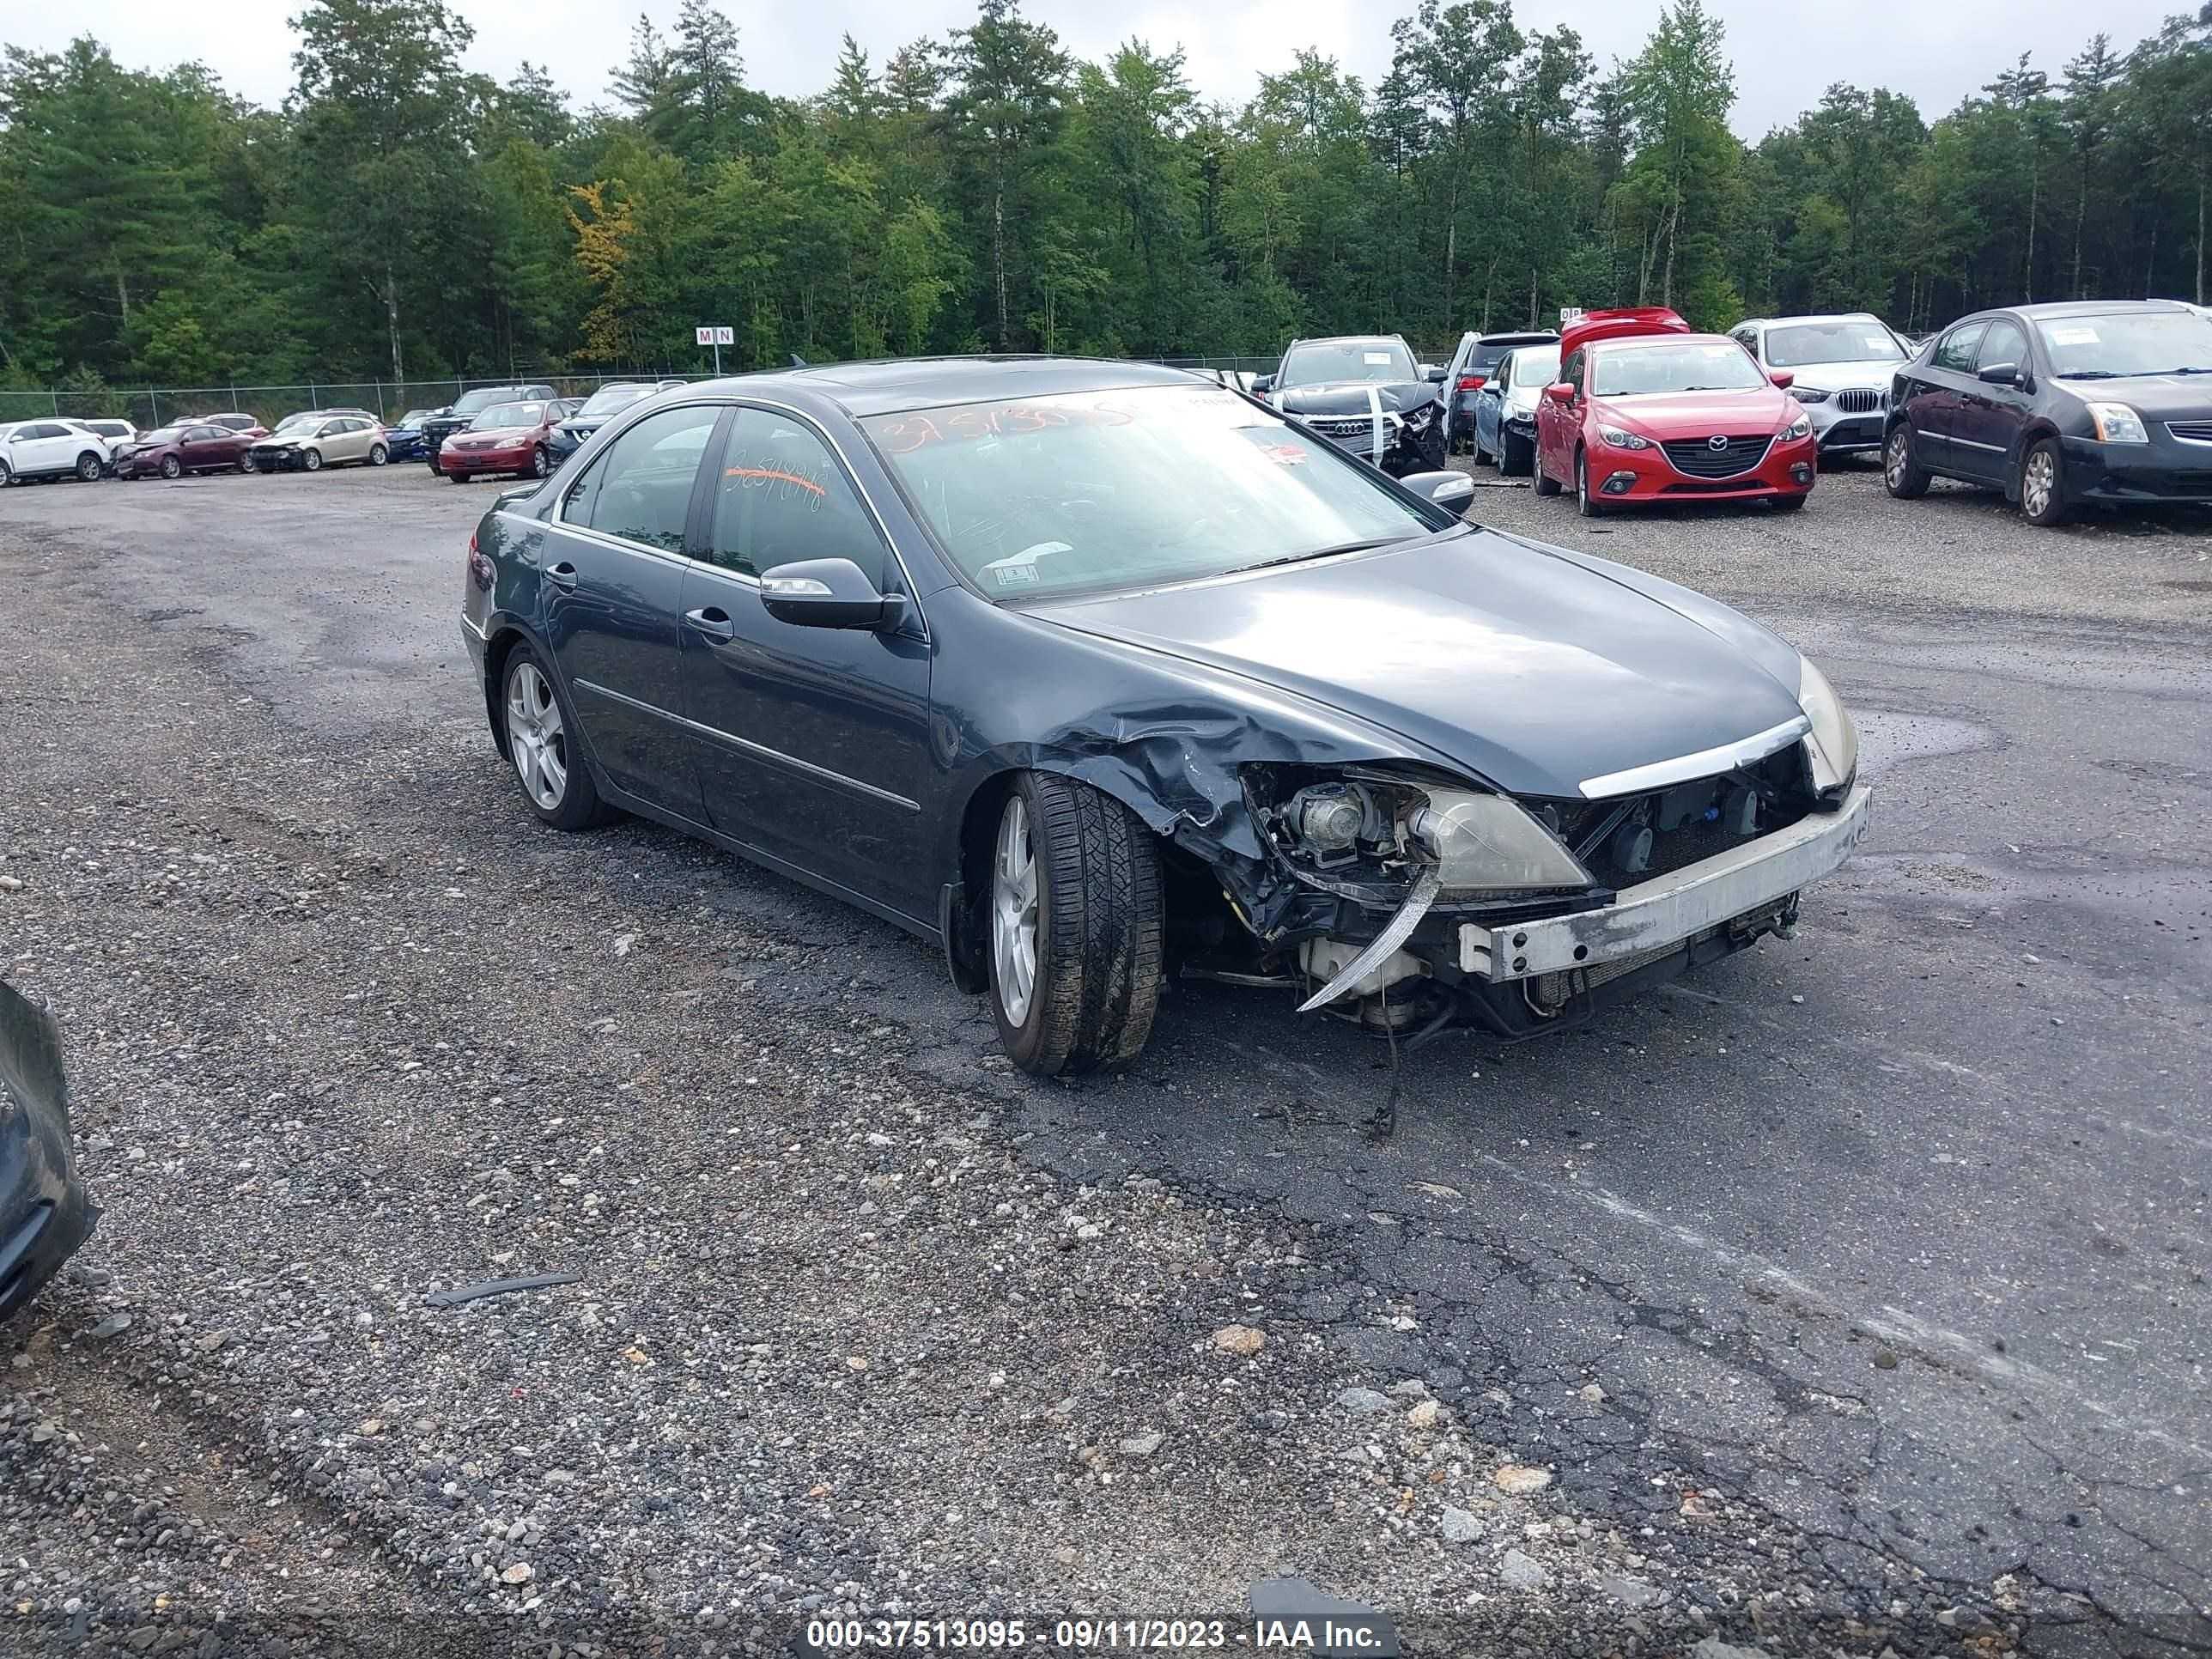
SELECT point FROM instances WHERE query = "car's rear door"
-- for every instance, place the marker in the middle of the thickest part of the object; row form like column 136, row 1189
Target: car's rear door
column 1936, row 389
column 818, row 737
column 1986, row 431
column 612, row 566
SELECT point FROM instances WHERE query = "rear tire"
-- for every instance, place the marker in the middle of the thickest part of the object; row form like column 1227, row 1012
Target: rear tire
column 1901, row 473
column 1515, row 455
column 88, row 467
column 1082, row 874
column 378, row 454
column 1544, row 482
column 541, row 745
column 2042, row 484
column 247, row 464
column 312, row 459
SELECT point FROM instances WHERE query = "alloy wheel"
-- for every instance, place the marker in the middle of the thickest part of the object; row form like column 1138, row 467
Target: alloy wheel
column 87, row 468
column 1014, row 913
column 1893, row 463
column 539, row 464
column 312, row 459
column 537, row 736
column 172, row 467
column 2042, row 477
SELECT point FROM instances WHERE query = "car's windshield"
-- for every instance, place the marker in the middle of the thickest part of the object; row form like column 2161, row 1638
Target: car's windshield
column 510, row 415
column 297, row 422
column 1104, row 490
column 1689, row 365
column 2127, row 342
column 1385, row 363
column 472, row 402
column 1797, row 345
column 413, row 416
column 1533, row 365
column 166, row 434
column 609, row 398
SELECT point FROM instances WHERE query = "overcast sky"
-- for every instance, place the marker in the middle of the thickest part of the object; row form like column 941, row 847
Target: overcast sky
column 1786, row 51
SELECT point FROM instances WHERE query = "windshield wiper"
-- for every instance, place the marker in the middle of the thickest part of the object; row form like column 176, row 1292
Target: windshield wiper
column 2090, row 375
column 2189, row 368
column 1324, row 552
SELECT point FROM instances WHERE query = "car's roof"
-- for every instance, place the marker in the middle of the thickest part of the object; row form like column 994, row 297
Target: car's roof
column 890, row 386
column 1812, row 317
column 2050, row 309
column 1525, row 337
column 1629, row 342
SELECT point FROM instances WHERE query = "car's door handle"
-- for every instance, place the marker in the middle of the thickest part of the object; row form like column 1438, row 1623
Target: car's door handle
column 562, row 575
column 713, row 622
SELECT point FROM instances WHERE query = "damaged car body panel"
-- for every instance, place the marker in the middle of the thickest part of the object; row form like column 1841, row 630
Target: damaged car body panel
column 1150, row 675
column 1368, row 395
column 44, row 1214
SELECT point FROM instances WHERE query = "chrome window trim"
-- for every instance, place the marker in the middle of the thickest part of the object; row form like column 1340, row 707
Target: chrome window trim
column 808, row 768
column 1684, row 769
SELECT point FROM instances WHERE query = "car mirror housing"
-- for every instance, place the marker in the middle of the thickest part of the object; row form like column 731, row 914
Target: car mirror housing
column 829, row 593
column 1783, row 377
column 1561, row 392
column 1452, row 490
column 1999, row 375
column 1432, row 373
column 1263, row 383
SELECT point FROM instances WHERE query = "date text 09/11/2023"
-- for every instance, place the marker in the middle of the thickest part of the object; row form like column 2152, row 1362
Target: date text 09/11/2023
column 1346, row 1632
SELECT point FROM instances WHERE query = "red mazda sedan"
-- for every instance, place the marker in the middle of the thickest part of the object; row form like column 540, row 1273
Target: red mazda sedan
column 507, row 438
column 1645, row 410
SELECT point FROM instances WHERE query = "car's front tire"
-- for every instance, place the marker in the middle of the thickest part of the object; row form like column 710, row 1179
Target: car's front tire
column 1515, row 454
column 1902, row 475
column 1076, row 929
column 541, row 464
column 541, row 744
column 2042, row 485
column 172, row 467
column 1585, row 503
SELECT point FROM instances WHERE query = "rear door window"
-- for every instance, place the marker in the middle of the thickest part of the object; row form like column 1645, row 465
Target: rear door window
column 640, row 488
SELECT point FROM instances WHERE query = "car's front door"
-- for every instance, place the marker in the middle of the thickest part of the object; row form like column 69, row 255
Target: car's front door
column 1557, row 424
column 197, row 447
column 611, row 570
column 1986, row 431
column 44, row 447
column 1489, row 404
column 819, row 737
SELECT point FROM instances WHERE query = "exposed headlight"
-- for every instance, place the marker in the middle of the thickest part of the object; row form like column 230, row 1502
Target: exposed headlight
column 1487, row 842
column 2118, row 424
column 1613, row 438
column 1419, row 416
column 1833, row 743
column 1809, row 394
column 1800, row 428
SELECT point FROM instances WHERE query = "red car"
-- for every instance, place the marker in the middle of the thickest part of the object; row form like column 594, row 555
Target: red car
column 1646, row 410
column 172, row 451
column 507, row 438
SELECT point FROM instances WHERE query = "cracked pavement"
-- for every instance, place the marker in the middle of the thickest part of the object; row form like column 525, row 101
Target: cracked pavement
column 1855, row 1279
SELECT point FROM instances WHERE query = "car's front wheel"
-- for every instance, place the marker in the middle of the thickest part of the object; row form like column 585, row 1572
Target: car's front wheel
column 1514, row 453
column 1587, row 504
column 541, row 464
column 7, row 475
column 540, row 743
column 2043, row 486
column 172, row 467
column 1076, row 927
column 1902, row 474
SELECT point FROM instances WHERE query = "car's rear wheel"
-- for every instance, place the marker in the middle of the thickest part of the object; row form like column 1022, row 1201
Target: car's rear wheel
column 312, row 459
column 378, row 454
column 1901, row 473
column 7, row 475
column 1514, row 454
column 1588, row 505
column 1544, row 482
column 541, row 746
column 1076, row 927
column 247, row 464
column 2042, row 485
column 88, row 467
column 172, row 467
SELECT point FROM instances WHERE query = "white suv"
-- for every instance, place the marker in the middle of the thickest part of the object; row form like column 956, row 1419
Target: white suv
column 52, row 449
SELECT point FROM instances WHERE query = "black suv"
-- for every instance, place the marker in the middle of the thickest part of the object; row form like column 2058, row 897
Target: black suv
column 441, row 424
column 1366, row 394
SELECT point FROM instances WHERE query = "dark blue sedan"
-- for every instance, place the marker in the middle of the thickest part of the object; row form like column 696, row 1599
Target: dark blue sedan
column 1089, row 674
column 403, row 440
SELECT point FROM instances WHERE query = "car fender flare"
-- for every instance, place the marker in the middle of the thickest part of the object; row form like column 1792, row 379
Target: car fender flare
column 2037, row 429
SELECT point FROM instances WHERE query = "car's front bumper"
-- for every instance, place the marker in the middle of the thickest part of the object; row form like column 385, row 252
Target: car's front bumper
column 1675, row 909
column 510, row 458
column 2164, row 470
column 1839, row 431
column 1630, row 477
column 44, row 1214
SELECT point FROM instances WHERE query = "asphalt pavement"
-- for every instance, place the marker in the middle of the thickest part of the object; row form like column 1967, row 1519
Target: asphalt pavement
column 1850, row 1293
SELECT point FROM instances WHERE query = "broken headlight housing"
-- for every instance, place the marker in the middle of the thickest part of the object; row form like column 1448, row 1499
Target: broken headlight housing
column 1833, row 741
column 1363, row 833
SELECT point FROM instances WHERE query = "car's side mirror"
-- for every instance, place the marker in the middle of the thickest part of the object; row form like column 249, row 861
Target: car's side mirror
column 1999, row 375
column 1453, row 490
column 829, row 593
column 1783, row 377
column 1561, row 392
column 1262, row 384
column 1432, row 373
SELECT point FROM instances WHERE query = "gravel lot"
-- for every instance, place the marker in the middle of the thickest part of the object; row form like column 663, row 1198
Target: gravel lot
column 1852, row 1294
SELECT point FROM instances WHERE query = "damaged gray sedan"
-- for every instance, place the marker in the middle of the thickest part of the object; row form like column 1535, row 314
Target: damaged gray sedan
column 1095, row 677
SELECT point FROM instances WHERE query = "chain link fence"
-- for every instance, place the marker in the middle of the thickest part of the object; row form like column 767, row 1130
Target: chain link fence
column 146, row 407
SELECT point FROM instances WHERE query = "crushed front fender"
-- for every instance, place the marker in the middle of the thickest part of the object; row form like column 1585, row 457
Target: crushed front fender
column 45, row 1213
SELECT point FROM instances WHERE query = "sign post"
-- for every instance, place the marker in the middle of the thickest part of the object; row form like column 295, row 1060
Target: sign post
column 716, row 335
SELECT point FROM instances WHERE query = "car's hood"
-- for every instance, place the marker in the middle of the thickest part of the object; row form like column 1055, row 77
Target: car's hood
column 1350, row 397
column 1533, row 667
column 584, row 426
column 1698, row 414
column 282, row 440
column 1841, row 377
column 1521, row 400
column 2163, row 397
column 497, row 435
